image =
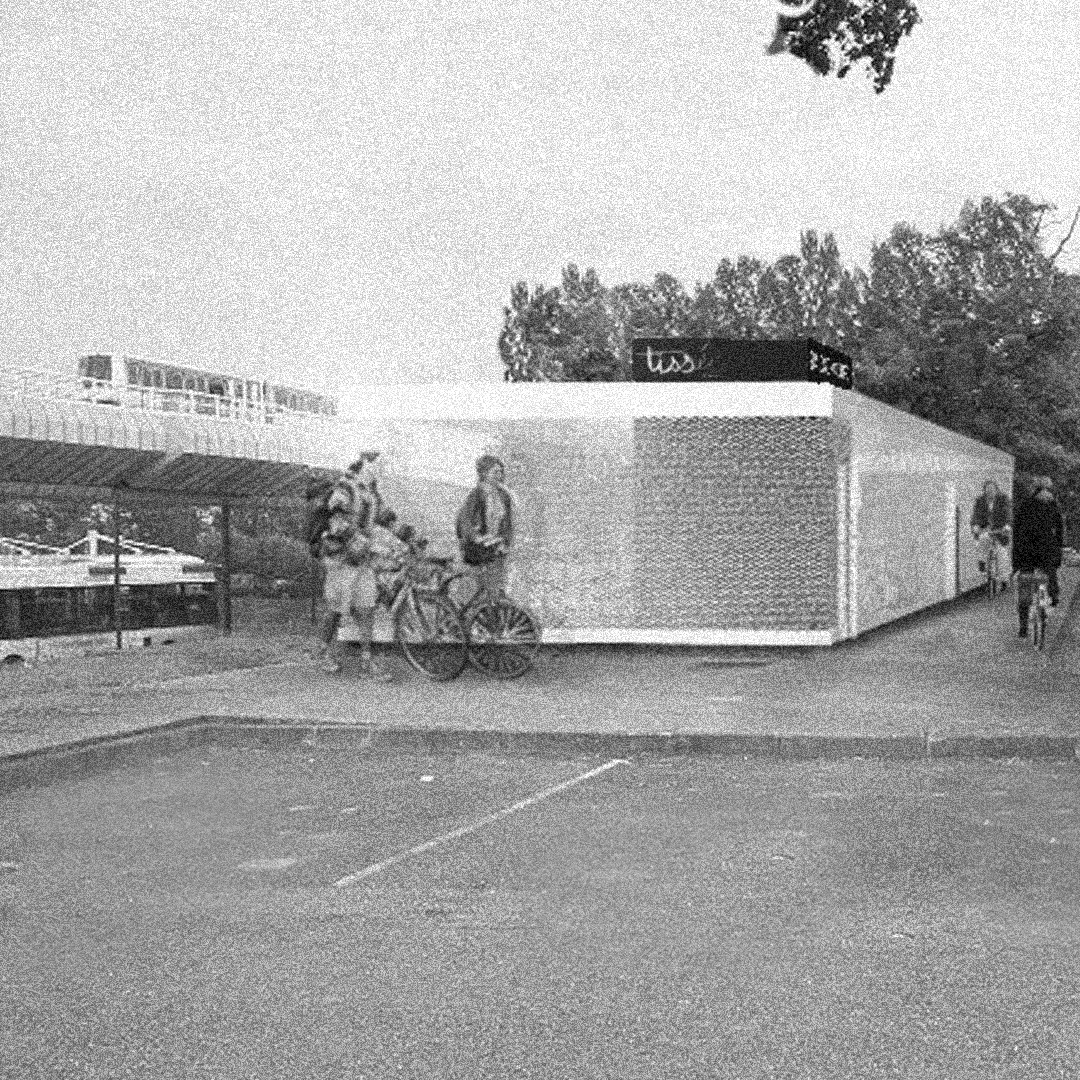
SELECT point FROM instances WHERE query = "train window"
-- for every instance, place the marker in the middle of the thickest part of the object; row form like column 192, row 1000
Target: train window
column 217, row 386
column 158, row 378
column 189, row 382
column 173, row 379
column 134, row 371
column 147, row 376
column 96, row 367
column 200, row 385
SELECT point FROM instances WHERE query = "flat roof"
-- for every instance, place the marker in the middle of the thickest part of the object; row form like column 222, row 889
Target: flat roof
column 548, row 400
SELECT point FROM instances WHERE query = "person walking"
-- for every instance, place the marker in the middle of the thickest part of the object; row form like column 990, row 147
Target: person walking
column 485, row 526
column 1038, row 535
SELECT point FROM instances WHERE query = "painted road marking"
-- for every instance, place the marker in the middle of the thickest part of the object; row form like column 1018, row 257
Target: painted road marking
column 376, row 868
column 268, row 864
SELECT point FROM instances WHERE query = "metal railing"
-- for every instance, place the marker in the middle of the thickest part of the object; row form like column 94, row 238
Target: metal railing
column 34, row 385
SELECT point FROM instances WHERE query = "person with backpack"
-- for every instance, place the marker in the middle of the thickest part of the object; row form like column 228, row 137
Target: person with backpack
column 346, row 521
column 485, row 525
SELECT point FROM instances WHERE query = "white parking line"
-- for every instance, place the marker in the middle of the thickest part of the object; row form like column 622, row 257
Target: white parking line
column 375, row 868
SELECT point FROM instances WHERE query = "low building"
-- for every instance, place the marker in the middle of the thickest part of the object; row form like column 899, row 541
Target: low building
column 710, row 510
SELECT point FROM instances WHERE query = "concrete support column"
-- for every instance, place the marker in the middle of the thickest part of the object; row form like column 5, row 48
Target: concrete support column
column 116, row 570
column 226, row 568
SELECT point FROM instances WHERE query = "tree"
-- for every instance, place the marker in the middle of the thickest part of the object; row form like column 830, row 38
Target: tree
column 811, row 294
column 593, row 334
column 582, row 331
column 530, row 340
column 837, row 35
column 977, row 329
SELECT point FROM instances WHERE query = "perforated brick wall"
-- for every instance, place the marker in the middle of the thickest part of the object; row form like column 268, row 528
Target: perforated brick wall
column 735, row 523
column 702, row 522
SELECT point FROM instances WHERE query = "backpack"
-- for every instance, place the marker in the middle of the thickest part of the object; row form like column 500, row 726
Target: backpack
column 318, row 517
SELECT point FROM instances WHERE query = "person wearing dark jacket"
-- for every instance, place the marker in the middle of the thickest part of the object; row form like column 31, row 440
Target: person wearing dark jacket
column 1038, row 535
column 485, row 525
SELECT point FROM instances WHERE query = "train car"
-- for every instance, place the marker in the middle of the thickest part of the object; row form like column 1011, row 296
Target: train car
column 57, row 601
column 125, row 381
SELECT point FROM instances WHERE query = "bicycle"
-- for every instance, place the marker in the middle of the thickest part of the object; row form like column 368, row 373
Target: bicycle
column 503, row 636
column 998, row 541
column 426, row 623
column 1036, row 585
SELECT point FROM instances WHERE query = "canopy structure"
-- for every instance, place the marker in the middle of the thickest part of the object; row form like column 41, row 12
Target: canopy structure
column 56, row 441
column 52, row 439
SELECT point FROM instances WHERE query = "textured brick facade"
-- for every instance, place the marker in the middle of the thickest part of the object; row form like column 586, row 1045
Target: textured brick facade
column 685, row 523
column 735, row 523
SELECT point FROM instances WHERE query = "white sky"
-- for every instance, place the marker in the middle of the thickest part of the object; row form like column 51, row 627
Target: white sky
column 346, row 192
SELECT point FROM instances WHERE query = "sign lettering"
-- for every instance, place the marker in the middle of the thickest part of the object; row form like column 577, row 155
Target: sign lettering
column 673, row 362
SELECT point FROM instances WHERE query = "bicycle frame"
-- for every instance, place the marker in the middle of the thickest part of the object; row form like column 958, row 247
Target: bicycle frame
column 392, row 596
column 998, row 543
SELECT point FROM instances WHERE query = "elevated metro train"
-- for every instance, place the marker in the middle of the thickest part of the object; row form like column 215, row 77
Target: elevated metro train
column 125, row 381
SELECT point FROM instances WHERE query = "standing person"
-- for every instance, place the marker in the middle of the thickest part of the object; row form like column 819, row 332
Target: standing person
column 351, row 588
column 1038, row 534
column 485, row 525
column 991, row 523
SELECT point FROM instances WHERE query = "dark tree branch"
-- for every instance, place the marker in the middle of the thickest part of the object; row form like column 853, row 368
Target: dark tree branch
column 1068, row 236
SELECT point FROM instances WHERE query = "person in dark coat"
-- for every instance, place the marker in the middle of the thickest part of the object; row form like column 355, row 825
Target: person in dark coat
column 1038, row 535
column 485, row 525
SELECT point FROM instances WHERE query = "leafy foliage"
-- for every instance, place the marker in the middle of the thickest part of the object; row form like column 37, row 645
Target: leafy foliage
column 838, row 35
column 976, row 328
column 582, row 331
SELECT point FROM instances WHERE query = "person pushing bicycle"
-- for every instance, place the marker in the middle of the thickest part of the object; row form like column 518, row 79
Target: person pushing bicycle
column 485, row 526
column 991, row 526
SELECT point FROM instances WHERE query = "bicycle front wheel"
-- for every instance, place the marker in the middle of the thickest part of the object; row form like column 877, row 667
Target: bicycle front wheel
column 504, row 639
column 431, row 635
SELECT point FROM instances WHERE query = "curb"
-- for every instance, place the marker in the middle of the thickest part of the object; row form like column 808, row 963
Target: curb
column 82, row 758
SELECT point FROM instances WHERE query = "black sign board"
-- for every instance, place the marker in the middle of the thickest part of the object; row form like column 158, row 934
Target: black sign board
column 684, row 359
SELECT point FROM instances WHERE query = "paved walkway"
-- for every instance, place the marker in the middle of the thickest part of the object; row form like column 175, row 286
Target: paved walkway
column 957, row 670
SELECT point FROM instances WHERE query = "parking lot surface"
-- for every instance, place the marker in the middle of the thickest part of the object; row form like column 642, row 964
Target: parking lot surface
column 665, row 917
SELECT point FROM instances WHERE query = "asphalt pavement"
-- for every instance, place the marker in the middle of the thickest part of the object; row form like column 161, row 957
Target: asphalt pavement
column 666, row 917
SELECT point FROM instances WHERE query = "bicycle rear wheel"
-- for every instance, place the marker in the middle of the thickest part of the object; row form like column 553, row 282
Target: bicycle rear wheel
column 1038, row 618
column 431, row 635
column 504, row 639
column 1033, row 620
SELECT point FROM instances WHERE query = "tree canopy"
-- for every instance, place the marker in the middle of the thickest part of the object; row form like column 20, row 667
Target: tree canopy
column 974, row 326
